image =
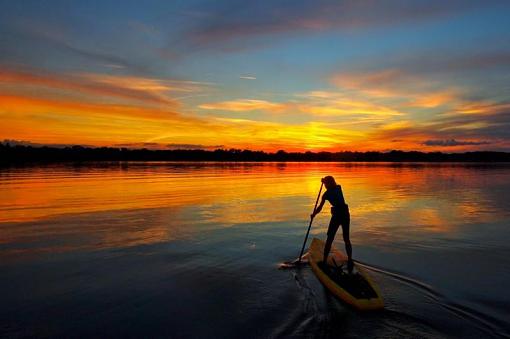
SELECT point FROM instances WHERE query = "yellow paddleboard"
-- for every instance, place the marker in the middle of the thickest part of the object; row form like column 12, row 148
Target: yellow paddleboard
column 356, row 289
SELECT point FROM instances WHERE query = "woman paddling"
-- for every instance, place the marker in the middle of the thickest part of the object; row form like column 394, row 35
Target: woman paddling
column 339, row 216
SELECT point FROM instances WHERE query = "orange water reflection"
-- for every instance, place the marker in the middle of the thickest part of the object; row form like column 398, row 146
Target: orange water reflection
column 386, row 201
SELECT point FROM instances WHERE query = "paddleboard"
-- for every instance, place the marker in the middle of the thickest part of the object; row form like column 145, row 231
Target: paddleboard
column 356, row 288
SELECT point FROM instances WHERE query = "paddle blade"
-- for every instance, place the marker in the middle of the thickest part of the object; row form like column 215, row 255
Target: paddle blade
column 294, row 264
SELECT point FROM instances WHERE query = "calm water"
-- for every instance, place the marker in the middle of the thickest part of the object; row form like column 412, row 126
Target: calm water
column 191, row 250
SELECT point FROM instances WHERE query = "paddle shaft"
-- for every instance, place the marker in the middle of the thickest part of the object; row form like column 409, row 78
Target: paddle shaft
column 310, row 225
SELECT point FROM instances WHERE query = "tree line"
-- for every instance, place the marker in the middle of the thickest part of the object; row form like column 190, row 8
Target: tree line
column 23, row 154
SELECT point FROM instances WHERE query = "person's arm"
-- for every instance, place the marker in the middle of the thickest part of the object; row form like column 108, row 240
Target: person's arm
column 319, row 208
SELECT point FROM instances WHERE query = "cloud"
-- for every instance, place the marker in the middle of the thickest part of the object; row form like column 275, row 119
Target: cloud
column 435, row 99
column 246, row 77
column 143, row 89
column 229, row 21
column 475, row 61
column 398, row 88
column 162, row 146
column 371, row 79
column 193, row 146
column 330, row 103
column 115, row 66
column 453, row 142
column 423, row 73
column 485, row 108
column 49, row 41
column 313, row 104
column 388, row 83
column 443, row 133
column 244, row 105
column 26, row 106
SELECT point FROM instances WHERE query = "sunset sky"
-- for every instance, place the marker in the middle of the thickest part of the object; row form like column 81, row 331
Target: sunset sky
column 262, row 75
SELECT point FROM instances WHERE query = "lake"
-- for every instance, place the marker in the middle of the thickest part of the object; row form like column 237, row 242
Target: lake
column 191, row 250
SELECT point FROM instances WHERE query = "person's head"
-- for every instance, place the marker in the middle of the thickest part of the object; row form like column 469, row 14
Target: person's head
column 329, row 181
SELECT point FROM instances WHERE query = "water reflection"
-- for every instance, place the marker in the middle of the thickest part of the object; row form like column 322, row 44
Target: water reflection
column 190, row 250
column 100, row 201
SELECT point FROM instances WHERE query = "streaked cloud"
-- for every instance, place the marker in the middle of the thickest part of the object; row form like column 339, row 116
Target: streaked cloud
column 227, row 21
column 243, row 105
column 160, row 146
column 314, row 104
column 114, row 66
column 453, row 142
column 54, row 44
column 435, row 99
column 482, row 108
column 421, row 80
column 335, row 103
column 130, row 88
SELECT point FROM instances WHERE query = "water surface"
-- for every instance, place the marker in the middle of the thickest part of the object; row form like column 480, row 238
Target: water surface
column 192, row 249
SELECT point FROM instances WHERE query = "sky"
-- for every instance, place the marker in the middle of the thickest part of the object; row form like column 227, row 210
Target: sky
column 261, row 75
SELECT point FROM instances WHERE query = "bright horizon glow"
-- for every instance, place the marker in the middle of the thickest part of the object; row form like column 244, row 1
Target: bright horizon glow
column 324, row 76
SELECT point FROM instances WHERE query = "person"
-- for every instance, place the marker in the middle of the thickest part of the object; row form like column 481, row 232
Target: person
column 339, row 216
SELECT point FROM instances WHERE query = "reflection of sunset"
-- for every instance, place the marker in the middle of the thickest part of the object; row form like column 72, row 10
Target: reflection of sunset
column 239, row 189
column 137, row 203
column 140, row 186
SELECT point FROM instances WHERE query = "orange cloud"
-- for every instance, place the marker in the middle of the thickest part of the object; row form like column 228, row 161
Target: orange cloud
column 425, row 136
column 322, row 103
column 243, row 105
column 369, row 79
column 147, row 90
column 383, row 83
column 29, row 105
column 435, row 99
column 409, row 89
column 316, row 104
column 481, row 108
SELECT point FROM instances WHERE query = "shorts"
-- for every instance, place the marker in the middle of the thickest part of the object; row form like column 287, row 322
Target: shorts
column 339, row 216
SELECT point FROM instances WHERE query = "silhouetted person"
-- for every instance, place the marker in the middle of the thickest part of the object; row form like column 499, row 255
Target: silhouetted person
column 339, row 216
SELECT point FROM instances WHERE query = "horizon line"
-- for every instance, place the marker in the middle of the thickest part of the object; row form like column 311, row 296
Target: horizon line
column 206, row 148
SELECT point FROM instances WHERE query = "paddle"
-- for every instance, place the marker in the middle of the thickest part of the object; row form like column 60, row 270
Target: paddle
column 310, row 225
column 295, row 263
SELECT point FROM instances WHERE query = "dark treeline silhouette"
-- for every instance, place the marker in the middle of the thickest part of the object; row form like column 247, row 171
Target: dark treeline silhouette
column 24, row 154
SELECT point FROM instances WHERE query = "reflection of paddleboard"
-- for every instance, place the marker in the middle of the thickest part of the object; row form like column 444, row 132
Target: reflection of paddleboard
column 356, row 289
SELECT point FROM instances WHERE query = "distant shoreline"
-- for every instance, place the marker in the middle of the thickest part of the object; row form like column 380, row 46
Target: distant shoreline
column 27, row 154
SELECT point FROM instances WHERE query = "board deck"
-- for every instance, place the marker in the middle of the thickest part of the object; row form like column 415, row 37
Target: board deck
column 356, row 289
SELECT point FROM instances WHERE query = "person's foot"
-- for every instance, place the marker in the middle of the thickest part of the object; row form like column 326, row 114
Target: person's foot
column 350, row 265
column 323, row 266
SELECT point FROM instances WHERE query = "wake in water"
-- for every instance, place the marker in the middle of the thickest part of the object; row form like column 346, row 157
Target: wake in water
column 308, row 320
column 320, row 312
column 483, row 322
column 295, row 263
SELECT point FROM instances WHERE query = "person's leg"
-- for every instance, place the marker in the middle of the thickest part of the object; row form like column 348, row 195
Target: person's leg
column 347, row 240
column 333, row 227
column 327, row 247
column 348, row 246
